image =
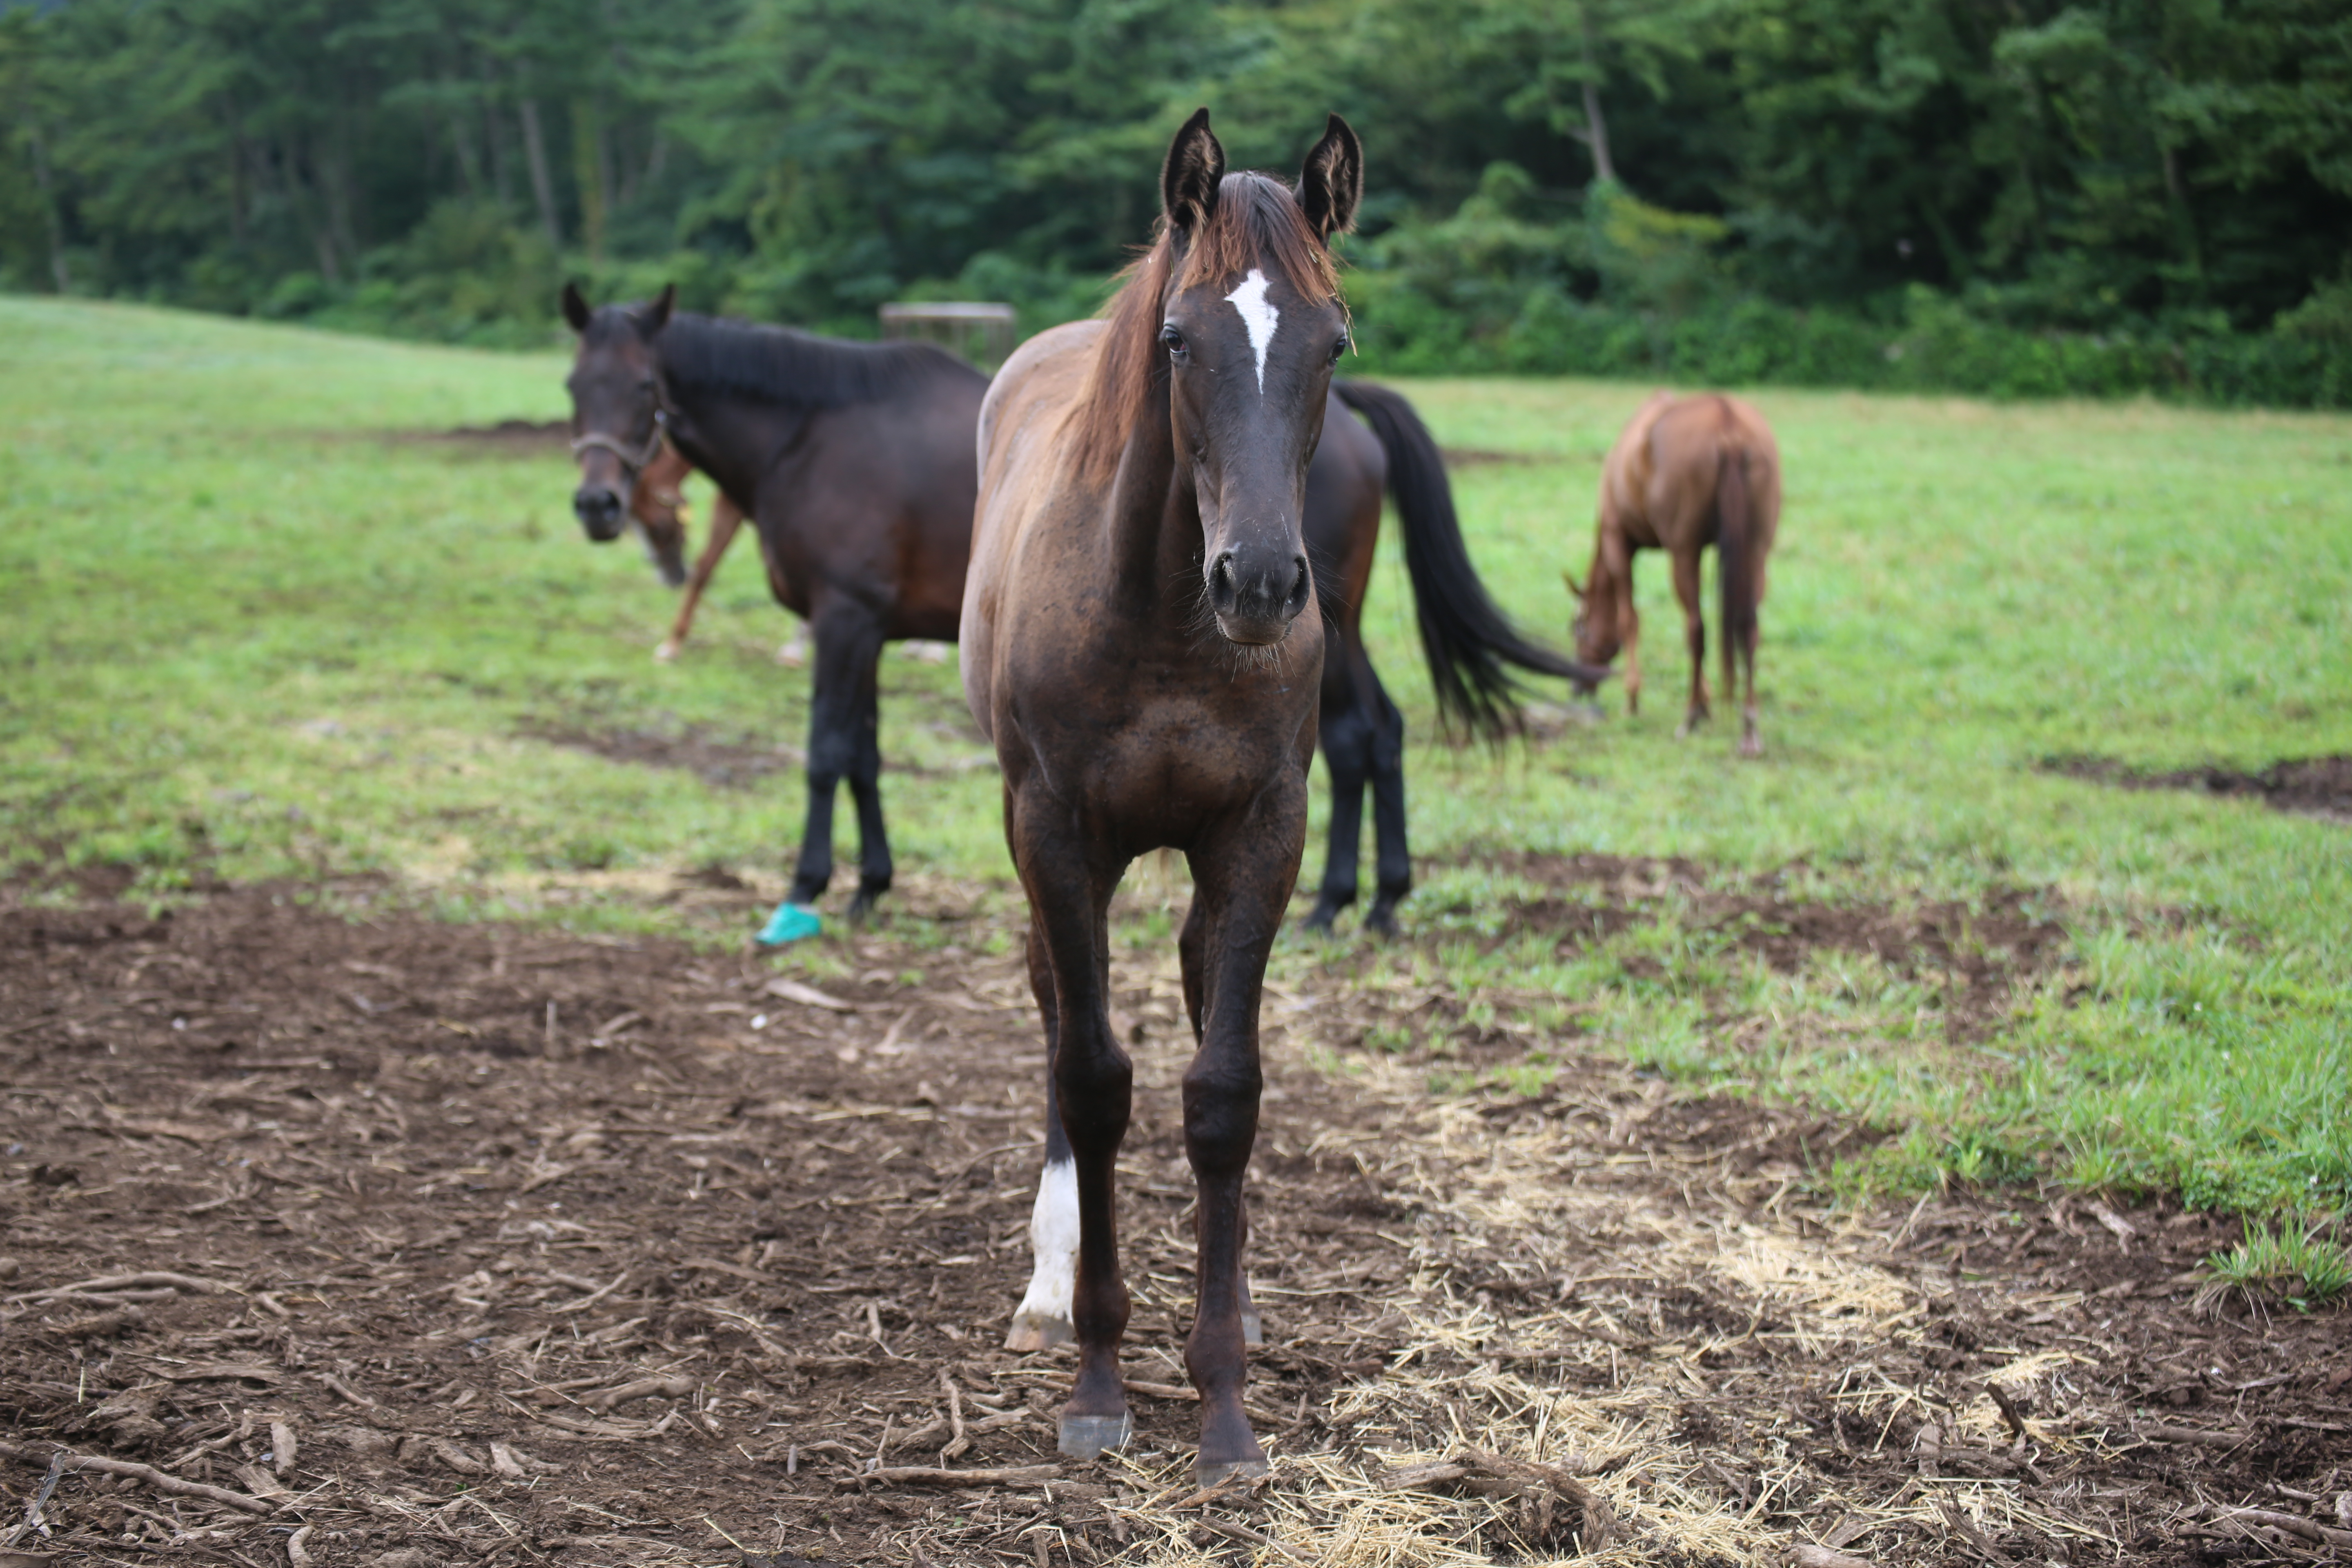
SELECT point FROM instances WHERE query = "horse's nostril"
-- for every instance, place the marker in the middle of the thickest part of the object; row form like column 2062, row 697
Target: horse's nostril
column 1296, row 599
column 1222, row 587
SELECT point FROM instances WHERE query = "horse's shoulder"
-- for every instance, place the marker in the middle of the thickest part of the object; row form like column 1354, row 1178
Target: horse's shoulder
column 1047, row 369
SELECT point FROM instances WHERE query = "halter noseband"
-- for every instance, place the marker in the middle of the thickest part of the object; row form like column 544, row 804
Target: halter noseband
column 632, row 460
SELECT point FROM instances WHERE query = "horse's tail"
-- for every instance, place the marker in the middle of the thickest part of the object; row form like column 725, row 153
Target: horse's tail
column 1466, row 637
column 1736, row 558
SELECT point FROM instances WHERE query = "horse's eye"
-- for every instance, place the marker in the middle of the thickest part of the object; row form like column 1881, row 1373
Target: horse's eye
column 1339, row 348
column 1173, row 341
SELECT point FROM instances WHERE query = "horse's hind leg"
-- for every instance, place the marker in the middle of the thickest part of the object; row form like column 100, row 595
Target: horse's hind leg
column 1395, row 862
column 1347, row 740
column 1043, row 1319
column 873, row 866
column 1694, row 634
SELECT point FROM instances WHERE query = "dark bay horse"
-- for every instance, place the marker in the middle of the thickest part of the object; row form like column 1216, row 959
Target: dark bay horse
column 1467, row 641
column 1687, row 472
column 1142, row 644
column 854, row 463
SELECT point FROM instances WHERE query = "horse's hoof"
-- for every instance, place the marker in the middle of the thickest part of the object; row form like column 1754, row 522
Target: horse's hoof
column 1750, row 746
column 667, row 652
column 1208, row 1475
column 1253, row 1327
column 1320, row 918
column 1381, row 921
column 1031, row 1333
column 790, row 922
column 1089, row 1436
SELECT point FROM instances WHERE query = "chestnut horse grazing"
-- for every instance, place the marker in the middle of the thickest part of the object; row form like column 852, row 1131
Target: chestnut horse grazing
column 854, row 463
column 1141, row 643
column 1687, row 472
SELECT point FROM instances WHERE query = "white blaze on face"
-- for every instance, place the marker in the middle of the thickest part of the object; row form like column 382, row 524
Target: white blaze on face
column 1259, row 316
column 1054, row 1236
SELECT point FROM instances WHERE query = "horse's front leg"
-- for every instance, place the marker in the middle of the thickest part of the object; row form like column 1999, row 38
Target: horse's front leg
column 1043, row 1319
column 1618, row 562
column 1694, row 634
column 726, row 517
column 1069, row 899
column 1242, row 876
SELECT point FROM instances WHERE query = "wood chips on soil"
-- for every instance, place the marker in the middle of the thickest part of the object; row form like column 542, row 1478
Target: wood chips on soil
column 337, row 1236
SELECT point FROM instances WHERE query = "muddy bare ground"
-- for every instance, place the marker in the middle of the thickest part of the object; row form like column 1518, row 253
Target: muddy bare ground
column 2310, row 787
column 719, row 761
column 444, row 1244
column 1976, row 954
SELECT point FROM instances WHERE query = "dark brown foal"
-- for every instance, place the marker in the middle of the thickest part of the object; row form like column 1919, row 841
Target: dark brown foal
column 1142, row 644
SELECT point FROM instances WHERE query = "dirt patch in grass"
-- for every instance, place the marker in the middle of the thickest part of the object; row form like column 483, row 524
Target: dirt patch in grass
column 1978, row 953
column 723, row 764
column 507, row 436
column 2308, row 786
column 606, row 1251
column 1474, row 458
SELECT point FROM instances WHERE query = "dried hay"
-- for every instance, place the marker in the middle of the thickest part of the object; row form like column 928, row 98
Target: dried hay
column 1535, row 1267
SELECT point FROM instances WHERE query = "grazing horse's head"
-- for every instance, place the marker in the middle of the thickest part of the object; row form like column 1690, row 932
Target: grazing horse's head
column 615, row 407
column 1245, row 322
column 1594, row 627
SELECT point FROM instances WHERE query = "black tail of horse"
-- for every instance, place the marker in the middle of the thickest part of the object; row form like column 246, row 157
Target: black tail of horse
column 1467, row 638
column 1734, row 520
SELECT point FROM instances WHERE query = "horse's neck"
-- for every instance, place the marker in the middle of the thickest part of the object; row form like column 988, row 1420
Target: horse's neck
column 1154, row 521
column 725, row 439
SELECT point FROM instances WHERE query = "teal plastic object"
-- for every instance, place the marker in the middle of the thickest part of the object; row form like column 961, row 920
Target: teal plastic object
column 790, row 922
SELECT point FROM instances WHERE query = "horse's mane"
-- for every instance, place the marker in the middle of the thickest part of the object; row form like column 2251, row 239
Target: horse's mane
column 777, row 364
column 1257, row 223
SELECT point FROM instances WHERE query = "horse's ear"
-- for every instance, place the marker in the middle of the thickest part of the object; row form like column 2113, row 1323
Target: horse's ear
column 1574, row 585
column 575, row 308
column 1187, row 180
column 1331, row 185
column 655, row 316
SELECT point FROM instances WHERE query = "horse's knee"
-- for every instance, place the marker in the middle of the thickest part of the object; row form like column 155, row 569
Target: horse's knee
column 1221, row 1106
column 1096, row 1089
column 832, row 754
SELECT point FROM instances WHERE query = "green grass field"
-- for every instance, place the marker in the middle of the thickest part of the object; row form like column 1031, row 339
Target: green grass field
column 253, row 626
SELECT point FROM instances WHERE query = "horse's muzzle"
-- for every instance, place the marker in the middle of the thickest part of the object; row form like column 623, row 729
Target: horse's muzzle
column 1257, row 594
column 599, row 511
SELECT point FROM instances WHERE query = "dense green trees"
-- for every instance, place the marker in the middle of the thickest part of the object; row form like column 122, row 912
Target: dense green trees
column 2123, row 192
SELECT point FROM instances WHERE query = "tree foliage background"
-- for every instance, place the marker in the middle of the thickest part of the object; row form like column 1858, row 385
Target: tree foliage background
column 2011, row 196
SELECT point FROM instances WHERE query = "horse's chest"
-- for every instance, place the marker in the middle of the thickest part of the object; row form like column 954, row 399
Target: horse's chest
column 1159, row 765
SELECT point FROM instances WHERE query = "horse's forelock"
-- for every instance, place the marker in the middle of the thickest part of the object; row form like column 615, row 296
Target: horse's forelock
column 611, row 324
column 1257, row 224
